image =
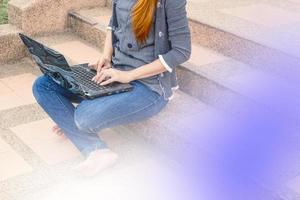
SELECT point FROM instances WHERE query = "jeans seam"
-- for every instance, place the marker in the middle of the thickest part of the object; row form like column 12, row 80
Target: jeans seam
column 145, row 107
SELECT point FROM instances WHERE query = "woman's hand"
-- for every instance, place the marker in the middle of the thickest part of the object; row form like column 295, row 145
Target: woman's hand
column 103, row 63
column 107, row 76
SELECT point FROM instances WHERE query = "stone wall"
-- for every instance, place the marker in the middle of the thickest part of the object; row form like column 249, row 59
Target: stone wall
column 11, row 47
column 44, row 16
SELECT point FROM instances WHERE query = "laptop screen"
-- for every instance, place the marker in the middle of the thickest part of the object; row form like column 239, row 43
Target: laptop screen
column 45, row 54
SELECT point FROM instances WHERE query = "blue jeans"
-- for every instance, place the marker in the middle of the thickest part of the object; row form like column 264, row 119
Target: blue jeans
column 82, row 123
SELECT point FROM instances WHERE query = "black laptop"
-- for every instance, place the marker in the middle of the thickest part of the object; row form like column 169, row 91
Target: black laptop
column 77, row 79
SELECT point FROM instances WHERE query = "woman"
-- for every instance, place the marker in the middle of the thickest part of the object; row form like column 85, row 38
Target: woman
column 146, row 40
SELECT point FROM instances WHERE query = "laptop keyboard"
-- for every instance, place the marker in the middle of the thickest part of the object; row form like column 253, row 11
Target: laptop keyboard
column 85, row 78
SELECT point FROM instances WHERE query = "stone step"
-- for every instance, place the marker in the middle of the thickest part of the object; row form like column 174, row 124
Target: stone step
column 207, row 33
column 11, row 47
column 74, row 48
column 209, row 76
column 186, row 110
column 182, row 107
column 90, row 24
column 240, row 30
column 86, row 21
column 175, row 124
column 25, row 17
column 184, row 122
column 234, row 86
column 39, row 16
column 40, row 157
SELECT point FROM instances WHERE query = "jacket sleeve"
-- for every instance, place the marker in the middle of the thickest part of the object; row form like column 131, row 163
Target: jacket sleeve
column 179, row 35
column 109, row 26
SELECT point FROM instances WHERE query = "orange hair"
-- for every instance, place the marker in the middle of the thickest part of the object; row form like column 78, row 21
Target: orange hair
column 142, row 17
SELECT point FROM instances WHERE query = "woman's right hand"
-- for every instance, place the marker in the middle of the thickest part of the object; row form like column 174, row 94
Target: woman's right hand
column 105, row 61
column 102, row 63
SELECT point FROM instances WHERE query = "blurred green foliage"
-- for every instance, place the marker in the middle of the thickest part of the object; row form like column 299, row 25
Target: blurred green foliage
column 3, row 12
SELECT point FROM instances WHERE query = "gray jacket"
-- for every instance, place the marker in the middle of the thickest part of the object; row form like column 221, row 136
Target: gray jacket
column 172, row 39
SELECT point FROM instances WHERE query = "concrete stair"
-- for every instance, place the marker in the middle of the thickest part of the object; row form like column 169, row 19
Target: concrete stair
column 11, row 48
column 210, row 82
column 262, row 46
column 85, row 21
column 159, row 129
column 240, row 30
column 186, row 120
column 49, row 157
column 27, row 15
column 90, row 24
column 215, row 79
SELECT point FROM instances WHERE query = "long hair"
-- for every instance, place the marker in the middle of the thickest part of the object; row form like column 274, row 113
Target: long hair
column 142, row 16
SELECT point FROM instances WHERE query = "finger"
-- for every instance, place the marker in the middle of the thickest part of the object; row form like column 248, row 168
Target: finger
column 105, row 67
column 96, row 77
column 60, row 133
column 101, row 78
column 63, row 137
column 57, row 133
column 107, row 81
column 107, row 73
column 55, row 128
column 93, row 79
column 100, row 64
column 107, row 64
column 91, row 65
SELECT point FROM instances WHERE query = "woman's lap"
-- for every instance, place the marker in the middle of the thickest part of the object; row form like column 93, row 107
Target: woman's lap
column 139, row 104
column 108, row 111
column 47, row 83
column 80, row 124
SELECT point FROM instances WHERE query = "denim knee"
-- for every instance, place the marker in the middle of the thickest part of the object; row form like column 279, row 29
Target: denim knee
column 40, row 82
column 39, row 86
column 82, row 121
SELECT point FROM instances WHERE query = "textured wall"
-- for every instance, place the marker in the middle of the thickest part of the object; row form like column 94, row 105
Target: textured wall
column 11, row 48
column 43, row 16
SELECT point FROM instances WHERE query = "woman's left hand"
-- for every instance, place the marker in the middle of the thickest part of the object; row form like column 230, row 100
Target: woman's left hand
column 107, row 76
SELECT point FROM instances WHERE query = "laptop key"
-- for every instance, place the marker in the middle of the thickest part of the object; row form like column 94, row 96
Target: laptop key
column 85, row 78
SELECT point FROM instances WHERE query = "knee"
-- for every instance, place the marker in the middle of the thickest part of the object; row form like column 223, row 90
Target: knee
column 39, row 84
column 86, row 121
column 40, row 88
column 81, row 121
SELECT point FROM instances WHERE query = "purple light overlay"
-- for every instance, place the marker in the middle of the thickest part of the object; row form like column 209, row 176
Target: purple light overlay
column 249, row 155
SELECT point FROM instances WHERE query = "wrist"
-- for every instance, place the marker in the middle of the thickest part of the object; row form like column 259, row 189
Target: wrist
column 107, row 56
column 131, row 75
